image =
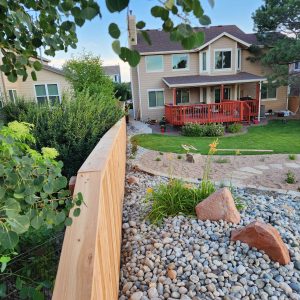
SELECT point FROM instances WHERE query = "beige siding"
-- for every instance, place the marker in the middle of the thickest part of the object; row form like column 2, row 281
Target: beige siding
column 26, row 89
column 153, row 80
column 280, row 103
column 252, row 67
column 223, row 43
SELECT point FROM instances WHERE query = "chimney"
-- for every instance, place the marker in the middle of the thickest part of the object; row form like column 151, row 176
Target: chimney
column 132, row 32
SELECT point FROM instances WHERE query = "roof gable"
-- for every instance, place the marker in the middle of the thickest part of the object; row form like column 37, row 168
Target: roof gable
column 160, row 40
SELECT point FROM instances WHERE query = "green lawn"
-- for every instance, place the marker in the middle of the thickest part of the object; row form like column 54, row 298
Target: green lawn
column 276, row 136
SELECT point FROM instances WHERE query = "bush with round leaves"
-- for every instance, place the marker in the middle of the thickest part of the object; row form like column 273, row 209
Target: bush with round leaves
column 33, row 192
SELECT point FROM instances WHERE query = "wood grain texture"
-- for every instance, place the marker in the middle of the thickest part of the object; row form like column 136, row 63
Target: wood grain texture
column 90, row 260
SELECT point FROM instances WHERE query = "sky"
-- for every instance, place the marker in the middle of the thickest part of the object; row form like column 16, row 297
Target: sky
column 93, row 36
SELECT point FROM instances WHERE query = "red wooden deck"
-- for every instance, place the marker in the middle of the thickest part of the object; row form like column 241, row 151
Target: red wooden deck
column 225, row 112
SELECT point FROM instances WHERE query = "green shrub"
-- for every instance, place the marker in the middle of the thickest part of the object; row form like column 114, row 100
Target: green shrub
column 179, row 156
column 292, row 156
column 157, row 159
column 197, row 130
column 290, row 177
column 175, row 198
column 235, row 128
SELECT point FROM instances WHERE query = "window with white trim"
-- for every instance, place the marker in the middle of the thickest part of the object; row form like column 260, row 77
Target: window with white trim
column 297, row 66
column 204, row 91
column 222, row 60
column 239, row 58
column 204, row 61
column 268, row 91
column 47, row 93
column 180, row 61
column 12, row 94
column 156, row 98
column 154, row 63
column 182, row 96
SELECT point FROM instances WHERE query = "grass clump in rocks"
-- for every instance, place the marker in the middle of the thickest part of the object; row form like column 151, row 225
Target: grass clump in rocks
column 292, row 157
column 235, row 128
column 175, row 198
column 290, row 177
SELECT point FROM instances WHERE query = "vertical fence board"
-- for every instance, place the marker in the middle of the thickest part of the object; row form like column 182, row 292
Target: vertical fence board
column 90, row 260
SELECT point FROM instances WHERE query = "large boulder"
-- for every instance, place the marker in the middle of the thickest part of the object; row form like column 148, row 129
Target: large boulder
column 218, row 206
column 263, row 237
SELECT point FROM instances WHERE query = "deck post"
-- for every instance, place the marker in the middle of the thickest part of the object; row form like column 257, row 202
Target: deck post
column 222, row 92
column 258, row 98
column 174, row 96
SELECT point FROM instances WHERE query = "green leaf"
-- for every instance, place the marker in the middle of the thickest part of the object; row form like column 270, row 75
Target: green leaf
column 194, row 41
column 140, row 24
column 130, row 56
column 204, row 20
column 33, row 76
column 169, row 4
column 146, row 37
column 198, row 10
column 160, row 12
column 60, row 183
column 2, row 192
column 12, row 77
column 8, row 239
column 116, row 5
column 116, row 47
column 68, row 221
column 37, row 222
column 2, row 285
column 4, row 260
column 185, row 30
column 76, row 212
column 12, row 207
column 79, row 21
column 114, row 30
column 60, row 218
column 19, row 224
column 89, row 13
column 48, row 188
column 37, row 65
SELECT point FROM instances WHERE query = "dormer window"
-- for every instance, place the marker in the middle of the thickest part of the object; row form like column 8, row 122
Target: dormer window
column 180, row 61
column 222, row 59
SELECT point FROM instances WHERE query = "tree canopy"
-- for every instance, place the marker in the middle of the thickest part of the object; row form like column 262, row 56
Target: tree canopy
column 27, row 25
column 277, row 23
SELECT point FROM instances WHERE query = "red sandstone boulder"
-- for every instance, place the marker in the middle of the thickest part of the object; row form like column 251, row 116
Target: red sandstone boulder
column 263, row 237
column 133, row 180
column 218, row 206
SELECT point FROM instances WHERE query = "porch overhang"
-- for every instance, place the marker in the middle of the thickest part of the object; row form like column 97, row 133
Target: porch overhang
column 205, row 80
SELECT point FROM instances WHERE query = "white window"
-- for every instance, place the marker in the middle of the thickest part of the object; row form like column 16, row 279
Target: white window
column 268, row 91
column 204, row 61
column 156, row 98
column 180, row 61
column 182, row 96
column 297, row 65
column 47, row 93
column 12, row 95
column 154, row 63
column 222, row 59
column 239, row 58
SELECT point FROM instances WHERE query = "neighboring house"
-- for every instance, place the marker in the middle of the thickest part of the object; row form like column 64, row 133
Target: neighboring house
column 295, row 72
column 200, row 85
column 49, row 86
column 113, row 72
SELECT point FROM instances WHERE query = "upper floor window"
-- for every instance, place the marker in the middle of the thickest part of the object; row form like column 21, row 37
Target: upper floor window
column 204, row 61
column 156, row 98
column 268, row 91
column 222, row 59
column 154, row 63
column 47, row 93
column 12, row 95
column 239, row 58
column 297, row 65
column 182, row 96
column 180, row 61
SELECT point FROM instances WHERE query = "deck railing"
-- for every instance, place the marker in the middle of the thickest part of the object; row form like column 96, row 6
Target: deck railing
column 225, row 112
column 89, row 265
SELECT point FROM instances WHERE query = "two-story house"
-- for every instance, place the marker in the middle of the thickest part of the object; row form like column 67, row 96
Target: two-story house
column 213, row 83
column 294, row 70
column 113, row 72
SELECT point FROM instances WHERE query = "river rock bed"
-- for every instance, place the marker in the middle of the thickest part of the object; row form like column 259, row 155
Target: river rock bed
column 191, row 260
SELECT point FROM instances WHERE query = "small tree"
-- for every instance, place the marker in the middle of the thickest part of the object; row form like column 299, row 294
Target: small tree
column 122, row 91
column 277, row 23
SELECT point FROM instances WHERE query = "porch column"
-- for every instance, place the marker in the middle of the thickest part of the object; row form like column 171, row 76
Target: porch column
column 258, row 97
column 222, row 92
column 174, row 96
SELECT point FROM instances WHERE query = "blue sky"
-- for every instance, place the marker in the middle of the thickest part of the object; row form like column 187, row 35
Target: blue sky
column 93, row 36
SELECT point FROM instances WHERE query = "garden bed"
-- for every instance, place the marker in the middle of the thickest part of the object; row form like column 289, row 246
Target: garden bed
column 189, row 259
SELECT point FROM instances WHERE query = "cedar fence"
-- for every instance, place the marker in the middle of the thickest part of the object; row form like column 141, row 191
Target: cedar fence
column 89, row 264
